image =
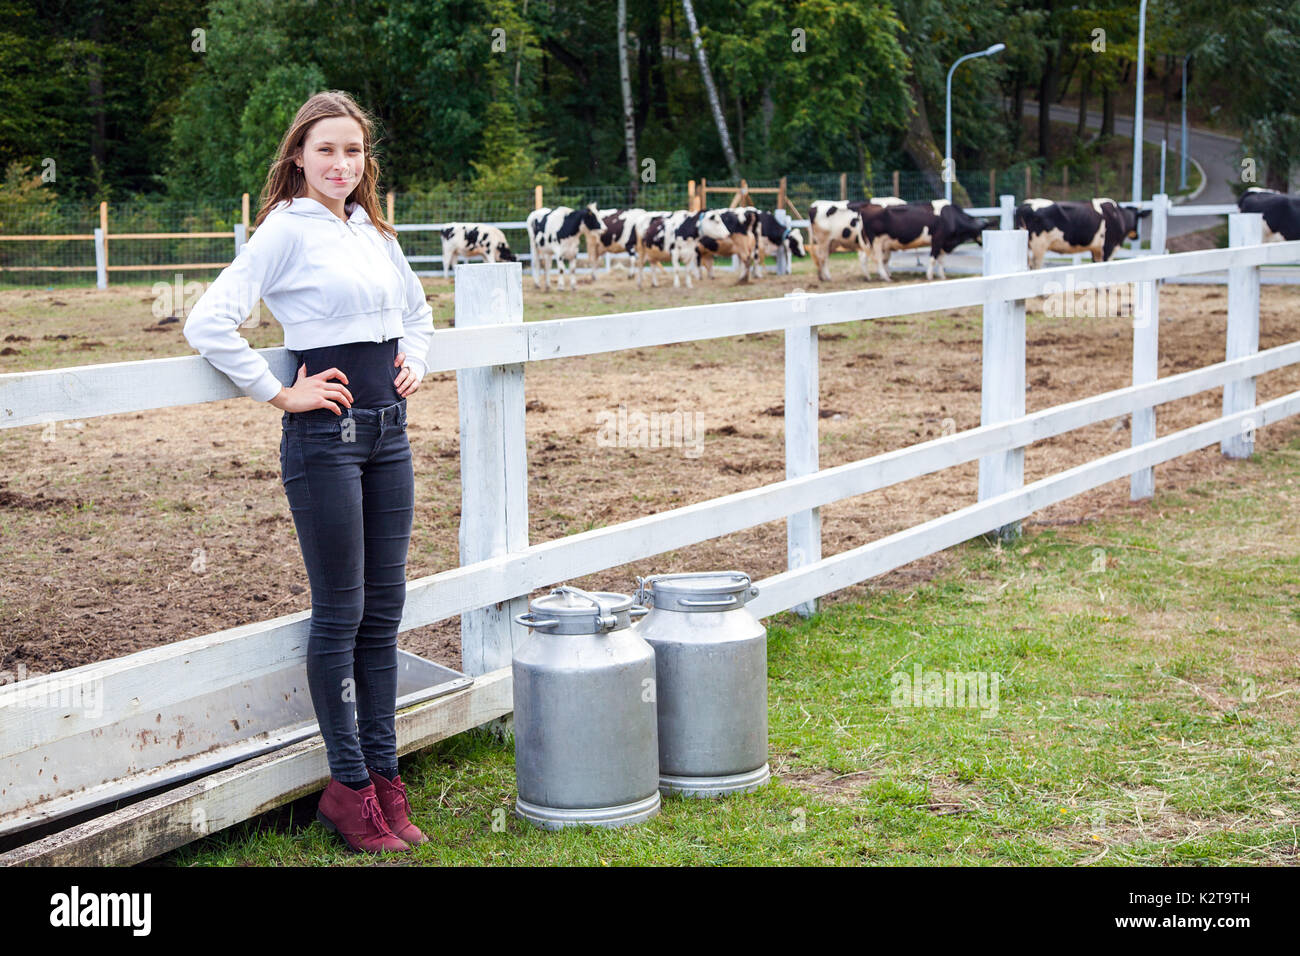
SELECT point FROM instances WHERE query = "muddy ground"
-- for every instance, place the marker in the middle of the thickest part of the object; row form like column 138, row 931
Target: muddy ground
column 129, row 531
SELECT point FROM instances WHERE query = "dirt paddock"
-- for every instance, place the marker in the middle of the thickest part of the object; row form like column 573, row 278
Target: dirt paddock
column 125, row 532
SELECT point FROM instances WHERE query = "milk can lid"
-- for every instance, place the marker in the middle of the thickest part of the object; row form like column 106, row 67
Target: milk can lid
column 696, row 591
column 571, row 610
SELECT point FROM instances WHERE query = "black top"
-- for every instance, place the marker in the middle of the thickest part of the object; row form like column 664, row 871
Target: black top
column 368, row 366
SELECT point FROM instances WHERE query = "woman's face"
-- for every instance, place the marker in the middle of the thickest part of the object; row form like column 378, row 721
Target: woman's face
column 333, row 159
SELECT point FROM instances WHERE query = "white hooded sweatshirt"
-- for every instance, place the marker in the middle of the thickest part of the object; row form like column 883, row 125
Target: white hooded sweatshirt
column 328, row 282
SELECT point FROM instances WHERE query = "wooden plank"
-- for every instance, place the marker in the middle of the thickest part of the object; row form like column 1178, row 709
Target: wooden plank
column 1002, row 392
column 1205, row 209
column 50, row 237
column 1244, row 229
column 111, row 388
column 589, row 335
column 173, row 265
column 784, row 590
column 802, row 404
column 168, row 820
column 48, row 268
column 1146, row 368
column 1146, row 349
column 493, row 461
column 101, row 260
column 1007, row 212
column 171, row 235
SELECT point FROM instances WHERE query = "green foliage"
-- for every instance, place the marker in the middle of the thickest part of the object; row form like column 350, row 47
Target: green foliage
column 271, row 107
column 500, row 95
column 1265, row 35
column 796, row 53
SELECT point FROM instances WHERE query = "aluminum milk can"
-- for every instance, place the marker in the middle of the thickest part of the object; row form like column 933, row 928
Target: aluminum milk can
column 586, row 737
column 711, row 681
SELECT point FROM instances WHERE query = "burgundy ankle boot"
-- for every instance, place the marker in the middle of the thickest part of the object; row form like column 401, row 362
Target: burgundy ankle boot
column 357, row 817
column 396, row 807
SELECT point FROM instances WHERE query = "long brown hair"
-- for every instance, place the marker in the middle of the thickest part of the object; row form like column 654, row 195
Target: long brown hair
column 287, row 181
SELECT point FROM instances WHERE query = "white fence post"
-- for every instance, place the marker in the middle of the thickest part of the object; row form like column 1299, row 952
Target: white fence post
column 1146, row 368
column 1244, row 229
column 804, row 528
column 493, row 460
column 241, row 236
column 1007, row 207
column 1002, row 392
column 1159, row 224
column 1146, row 348
column 101, row 263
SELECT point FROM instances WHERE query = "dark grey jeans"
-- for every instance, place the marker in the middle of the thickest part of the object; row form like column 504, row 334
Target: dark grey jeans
column 351, row 489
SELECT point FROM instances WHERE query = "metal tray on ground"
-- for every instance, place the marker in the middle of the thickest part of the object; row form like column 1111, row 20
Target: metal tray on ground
column 83, row 737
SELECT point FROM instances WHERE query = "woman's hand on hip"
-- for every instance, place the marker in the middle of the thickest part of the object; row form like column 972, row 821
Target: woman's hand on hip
column 406, row 381
column 315, row 391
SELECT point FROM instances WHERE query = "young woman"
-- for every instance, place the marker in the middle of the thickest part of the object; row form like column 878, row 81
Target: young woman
column 331, row 270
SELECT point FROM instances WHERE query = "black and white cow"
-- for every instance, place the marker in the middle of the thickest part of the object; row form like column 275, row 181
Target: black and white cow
column 471, row 239
column 937, row 223
column 617, row 234
column 667, row 237
column 556, row 234
column 729, row 232
column 1281, row 212
column 772, row 235
column 836, row 226
column 1099, row 227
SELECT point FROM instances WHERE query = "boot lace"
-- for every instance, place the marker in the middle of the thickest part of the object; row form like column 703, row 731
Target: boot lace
column 370, row 810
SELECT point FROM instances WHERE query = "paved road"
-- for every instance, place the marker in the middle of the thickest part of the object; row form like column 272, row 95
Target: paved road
column 1217, row 154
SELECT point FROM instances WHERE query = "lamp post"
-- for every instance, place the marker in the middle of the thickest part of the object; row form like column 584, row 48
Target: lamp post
column 1182, row 157
column 1137, row 112
column 949, row 172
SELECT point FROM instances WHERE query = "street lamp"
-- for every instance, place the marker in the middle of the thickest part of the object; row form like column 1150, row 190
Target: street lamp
column 1137, row 112
column 1182, row 158
column 949, row 172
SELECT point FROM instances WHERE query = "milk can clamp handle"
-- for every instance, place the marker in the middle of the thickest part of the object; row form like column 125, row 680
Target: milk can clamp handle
column 605, row 619
column 645, row 595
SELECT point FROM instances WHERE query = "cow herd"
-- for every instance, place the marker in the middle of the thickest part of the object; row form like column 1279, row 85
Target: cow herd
column 683, row 241
column 687, row 242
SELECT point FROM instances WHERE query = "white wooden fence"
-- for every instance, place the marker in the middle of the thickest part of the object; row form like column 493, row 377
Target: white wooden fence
column 491, row 346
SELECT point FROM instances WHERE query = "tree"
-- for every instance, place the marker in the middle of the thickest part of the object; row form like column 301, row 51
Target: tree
column 707, row 77
column 1265, row 36
column 937, row 33
column 788, row 62
column 629, row 116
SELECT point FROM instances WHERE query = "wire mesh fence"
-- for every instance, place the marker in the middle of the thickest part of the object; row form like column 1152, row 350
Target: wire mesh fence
column 71, row 261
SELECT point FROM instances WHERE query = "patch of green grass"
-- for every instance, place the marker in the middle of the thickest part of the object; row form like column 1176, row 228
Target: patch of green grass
column 1144, row 713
